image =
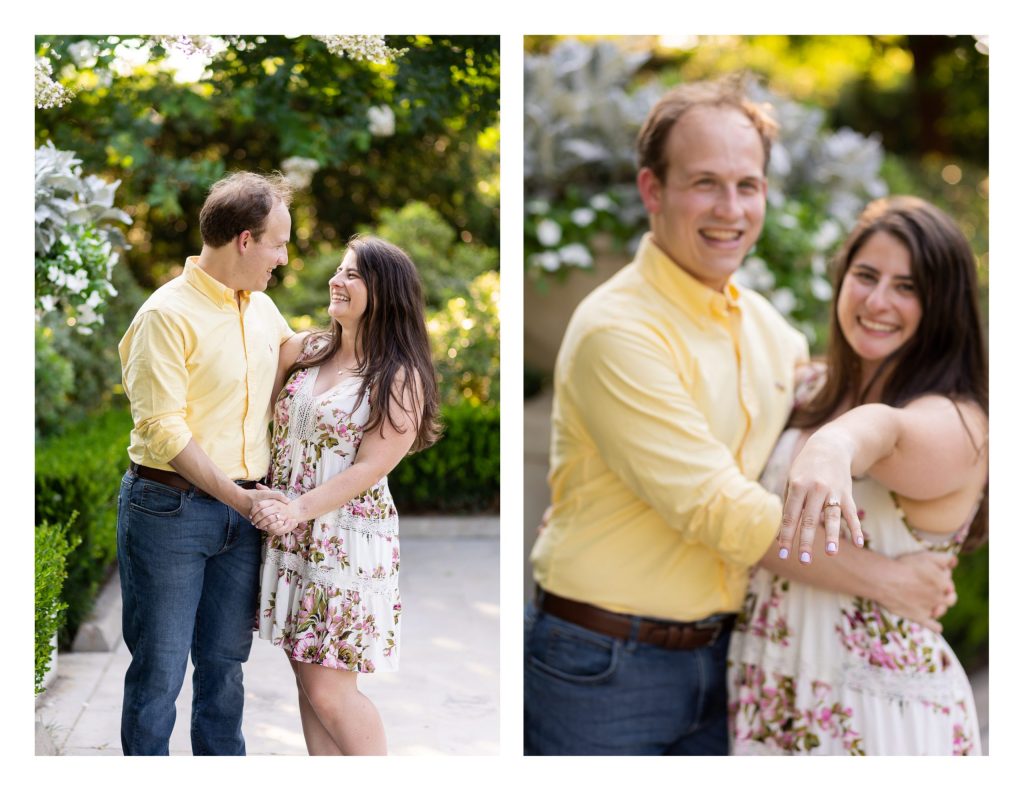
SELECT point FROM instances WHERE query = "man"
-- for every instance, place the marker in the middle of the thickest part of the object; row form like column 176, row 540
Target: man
column 198, row 363
column 671, row 387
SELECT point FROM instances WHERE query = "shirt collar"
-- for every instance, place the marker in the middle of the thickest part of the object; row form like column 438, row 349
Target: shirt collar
column 206, row 284
column 683, row 288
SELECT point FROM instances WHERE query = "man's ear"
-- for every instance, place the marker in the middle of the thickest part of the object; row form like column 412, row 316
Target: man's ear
column 243, row 241
column 650, row 190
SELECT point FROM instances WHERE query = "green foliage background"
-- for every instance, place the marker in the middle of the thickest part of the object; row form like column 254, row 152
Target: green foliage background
column 431, row 187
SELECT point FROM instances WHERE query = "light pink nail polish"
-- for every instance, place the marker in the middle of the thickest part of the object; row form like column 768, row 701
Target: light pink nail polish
column 783, row 553
column 831, row 547
column 805, row 557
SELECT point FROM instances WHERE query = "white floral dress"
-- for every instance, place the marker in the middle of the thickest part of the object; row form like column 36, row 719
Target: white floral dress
column 818, row 673
column 329, row 589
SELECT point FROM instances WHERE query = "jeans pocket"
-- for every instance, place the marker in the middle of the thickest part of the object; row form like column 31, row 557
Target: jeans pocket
column 156, row 499
column 574, row 655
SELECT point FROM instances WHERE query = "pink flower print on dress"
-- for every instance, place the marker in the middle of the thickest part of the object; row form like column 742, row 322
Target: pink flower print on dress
column 347, row 656
column 305, row 647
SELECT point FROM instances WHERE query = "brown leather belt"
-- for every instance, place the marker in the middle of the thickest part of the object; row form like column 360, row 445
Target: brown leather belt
column 674, row 635
column 172, row 479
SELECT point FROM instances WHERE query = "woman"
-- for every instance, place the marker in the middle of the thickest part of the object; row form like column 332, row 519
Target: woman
column 892, row 436
column 355, row 400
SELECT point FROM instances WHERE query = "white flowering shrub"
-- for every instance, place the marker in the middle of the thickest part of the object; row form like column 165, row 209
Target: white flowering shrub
column 581, row 115
column 585, row 103
column 49, row 93
column 178, row 50
column 371, row 48
column 75, row 243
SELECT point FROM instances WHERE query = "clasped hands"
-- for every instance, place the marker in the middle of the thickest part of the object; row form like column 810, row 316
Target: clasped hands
column 272, row 512
column 820, row 489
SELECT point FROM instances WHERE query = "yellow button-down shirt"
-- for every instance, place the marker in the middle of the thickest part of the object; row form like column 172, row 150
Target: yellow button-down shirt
column 669, row 397
column 196, row 364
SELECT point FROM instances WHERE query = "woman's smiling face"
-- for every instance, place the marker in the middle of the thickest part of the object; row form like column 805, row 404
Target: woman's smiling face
column 348, row 292
column 879, row 309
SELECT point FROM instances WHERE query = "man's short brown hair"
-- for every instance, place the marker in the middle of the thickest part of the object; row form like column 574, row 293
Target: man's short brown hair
column 726, row 92
column 241, row 202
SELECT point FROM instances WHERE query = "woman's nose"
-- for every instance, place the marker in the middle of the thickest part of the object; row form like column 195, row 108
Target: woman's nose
column 879, row 296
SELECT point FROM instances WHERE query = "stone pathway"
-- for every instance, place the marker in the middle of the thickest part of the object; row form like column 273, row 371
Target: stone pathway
column 443, row 701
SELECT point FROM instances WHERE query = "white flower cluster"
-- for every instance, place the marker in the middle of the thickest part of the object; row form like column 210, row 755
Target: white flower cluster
column 84, row 53
column 300, row 171
column 549, row 234
column 49, row 93
column 371, row 48
column 187, row 45
column 382, row 120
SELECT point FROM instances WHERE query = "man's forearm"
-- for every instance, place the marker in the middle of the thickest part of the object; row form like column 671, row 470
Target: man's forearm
column 198, row 469
column 853, row 571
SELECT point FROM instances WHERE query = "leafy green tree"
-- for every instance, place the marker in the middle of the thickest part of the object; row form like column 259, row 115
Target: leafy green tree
column 423, row 127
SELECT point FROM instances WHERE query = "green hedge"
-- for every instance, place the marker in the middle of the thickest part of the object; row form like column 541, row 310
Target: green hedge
column 81, row 471
column 52, row 549
column 965, row 626
column 460, row 473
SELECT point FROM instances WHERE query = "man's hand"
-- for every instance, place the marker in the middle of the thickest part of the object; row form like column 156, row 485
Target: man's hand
column 925, row 591
column 250, row 499
column 272, row 511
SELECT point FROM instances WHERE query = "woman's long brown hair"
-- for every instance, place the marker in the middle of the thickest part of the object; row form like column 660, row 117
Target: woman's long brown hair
column 946, row 356
column 392, row 335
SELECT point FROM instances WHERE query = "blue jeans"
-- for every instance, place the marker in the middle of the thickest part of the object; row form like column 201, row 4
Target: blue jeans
column 189, row 569
column 589, row 694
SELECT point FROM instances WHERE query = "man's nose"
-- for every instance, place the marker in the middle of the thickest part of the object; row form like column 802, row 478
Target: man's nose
column 728, row 203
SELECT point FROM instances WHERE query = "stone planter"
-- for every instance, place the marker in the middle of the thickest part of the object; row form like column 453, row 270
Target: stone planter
column 546, row 313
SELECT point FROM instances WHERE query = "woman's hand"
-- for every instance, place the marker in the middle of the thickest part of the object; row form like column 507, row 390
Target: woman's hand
column 820, row 488
column 274, row 516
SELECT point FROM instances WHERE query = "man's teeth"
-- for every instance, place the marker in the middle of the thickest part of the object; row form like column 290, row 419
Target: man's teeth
column 725, row 236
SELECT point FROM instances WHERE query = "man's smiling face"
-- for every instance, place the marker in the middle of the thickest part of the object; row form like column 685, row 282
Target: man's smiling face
column 709, row 210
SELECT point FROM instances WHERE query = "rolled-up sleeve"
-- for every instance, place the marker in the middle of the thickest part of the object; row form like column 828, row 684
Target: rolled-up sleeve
column 650, row 433
column 156, row 381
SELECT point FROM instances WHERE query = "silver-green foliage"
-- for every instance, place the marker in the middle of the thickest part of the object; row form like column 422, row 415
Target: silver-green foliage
column 75, row 243
column 585, row 103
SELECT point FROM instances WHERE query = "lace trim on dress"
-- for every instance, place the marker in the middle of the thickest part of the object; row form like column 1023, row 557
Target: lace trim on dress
column 385, row 528
column 330, row 577
column 897, row 686
column 302, row 418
